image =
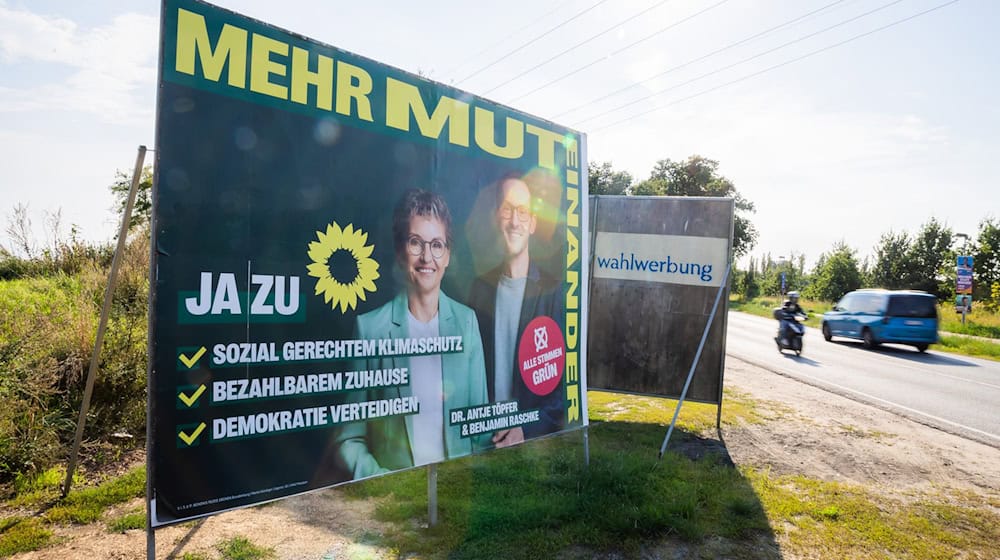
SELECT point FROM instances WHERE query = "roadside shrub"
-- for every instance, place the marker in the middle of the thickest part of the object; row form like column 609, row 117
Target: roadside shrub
column 47, row 328
column 66, row 256
column 41, row 351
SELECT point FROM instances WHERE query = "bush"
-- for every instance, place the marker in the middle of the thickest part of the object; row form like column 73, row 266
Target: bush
column 67, row 257
column 48, row 323
column 41, row 325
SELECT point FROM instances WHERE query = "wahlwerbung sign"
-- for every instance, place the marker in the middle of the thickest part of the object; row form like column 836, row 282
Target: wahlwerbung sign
column 668, row 259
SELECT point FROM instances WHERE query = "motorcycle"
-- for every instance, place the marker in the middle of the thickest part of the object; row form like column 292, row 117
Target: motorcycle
column 790, row 330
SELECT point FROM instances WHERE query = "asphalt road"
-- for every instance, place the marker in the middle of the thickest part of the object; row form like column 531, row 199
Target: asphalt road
column 954, row 393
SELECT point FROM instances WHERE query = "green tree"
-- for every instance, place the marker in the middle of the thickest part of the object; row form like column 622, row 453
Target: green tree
column 793, row 269
column 143, row 207
column 835, row 274
column 649, row 187
column 892, row 262
column 603, row 179
column 744, row 282
column 696, row 176
column 751, row 288
column 699, row 176
column 986, row 266
column 928, row 258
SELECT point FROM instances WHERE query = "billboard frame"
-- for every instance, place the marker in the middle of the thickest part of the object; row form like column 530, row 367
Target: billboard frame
column 579, row 142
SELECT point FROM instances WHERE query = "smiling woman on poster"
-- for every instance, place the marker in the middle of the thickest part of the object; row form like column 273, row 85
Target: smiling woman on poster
column 422, row 239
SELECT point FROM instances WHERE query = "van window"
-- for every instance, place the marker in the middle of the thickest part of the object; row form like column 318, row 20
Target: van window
column 868, row 303
column 912, row 306
column 846, row 303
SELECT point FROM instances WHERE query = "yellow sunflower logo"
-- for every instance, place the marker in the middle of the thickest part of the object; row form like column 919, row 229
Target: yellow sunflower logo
column 342, row 265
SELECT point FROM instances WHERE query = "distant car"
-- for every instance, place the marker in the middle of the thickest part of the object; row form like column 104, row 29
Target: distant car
column 877, row 316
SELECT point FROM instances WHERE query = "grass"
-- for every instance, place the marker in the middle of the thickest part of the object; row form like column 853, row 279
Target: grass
column 42, row 488
column 127, row 521
column 83, row 505
column 860, row 433
column 695, row 417
column 240, row 548
column 846, row 521
column 540, row 501
column 969, row 346
column 86, row 505
column 979, row 322
column 18, row 534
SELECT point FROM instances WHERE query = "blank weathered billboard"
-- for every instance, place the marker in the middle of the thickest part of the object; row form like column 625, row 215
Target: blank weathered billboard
column 657, row 264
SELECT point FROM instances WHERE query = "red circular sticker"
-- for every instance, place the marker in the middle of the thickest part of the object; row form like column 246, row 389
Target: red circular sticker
column 541, row 355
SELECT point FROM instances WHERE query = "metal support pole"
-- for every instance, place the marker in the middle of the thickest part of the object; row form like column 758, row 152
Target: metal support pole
column 593, row 219
column 102, row 326
column 593, row 253
column 150, row 539
column 432, row 494
column 697, row 358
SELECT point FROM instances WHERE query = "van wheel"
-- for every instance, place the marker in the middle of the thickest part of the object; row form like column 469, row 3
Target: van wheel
column 921, row 348
column 827, row 335
column 868, row 339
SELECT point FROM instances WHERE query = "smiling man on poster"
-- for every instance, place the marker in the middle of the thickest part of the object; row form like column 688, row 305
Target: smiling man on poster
column 507, row 299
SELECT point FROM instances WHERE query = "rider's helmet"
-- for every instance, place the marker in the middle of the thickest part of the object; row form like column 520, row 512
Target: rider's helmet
column 793, row 297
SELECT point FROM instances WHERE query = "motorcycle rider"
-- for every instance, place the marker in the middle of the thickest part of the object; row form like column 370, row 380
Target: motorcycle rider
column 789, row 309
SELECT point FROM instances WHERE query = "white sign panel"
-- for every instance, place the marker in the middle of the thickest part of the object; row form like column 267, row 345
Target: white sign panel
column 669, row 259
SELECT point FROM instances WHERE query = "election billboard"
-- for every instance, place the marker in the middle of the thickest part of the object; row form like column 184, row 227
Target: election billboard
column 963, row 274
column 355, row 270
column 657, row 265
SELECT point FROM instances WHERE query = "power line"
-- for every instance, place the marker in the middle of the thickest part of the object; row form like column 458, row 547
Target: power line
column 699, row 59
column 518, row 49
column 623, row 49
column 576, row 46
column 748, row 59
column 542, row 17
column 776, row 66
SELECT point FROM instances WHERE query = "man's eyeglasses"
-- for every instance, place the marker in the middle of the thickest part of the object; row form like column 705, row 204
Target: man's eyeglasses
column 523, row 212
column 415, row 246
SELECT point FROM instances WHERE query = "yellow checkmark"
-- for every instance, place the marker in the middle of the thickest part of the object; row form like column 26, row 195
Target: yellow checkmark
column 190, row 400
column 189, row 439
column 190, row 362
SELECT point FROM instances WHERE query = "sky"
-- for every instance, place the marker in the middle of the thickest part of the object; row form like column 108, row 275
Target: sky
column 840, row 120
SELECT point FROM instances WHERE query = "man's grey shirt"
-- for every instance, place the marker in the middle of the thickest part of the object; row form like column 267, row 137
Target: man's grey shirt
column 510, row 295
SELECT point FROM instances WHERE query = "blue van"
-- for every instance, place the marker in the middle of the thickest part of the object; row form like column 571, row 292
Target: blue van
column 877, row 316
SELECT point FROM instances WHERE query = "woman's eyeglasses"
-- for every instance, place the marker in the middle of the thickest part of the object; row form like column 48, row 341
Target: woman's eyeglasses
column 415, row 246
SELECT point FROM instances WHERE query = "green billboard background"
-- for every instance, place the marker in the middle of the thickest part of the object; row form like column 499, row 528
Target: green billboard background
column 279, row 162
